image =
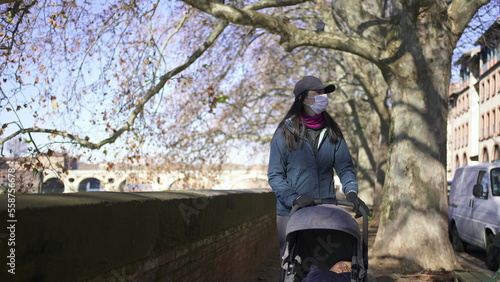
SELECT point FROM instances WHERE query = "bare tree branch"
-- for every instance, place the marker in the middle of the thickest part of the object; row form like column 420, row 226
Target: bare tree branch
column 274, row 3
column 291, row 36
column 461, row 12
column 9, row 1
column 140, row 104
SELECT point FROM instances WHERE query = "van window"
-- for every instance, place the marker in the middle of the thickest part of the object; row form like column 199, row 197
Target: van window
column 457, row 183
column 458, row 175
column 483, row 179
column 495, row 182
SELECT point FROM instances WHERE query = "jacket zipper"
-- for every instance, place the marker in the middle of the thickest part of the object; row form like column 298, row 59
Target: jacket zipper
column 320, row 141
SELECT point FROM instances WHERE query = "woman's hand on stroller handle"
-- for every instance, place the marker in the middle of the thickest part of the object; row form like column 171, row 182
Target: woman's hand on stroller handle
column 357, row 204
column 303, row 201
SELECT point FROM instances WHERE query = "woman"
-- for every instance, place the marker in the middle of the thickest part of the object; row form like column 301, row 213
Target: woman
column 307, row 145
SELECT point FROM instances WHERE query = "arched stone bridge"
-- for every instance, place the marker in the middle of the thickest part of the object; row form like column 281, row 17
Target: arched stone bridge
column 139, row 180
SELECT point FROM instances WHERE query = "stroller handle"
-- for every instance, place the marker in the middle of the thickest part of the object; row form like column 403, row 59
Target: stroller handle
column 330, row 201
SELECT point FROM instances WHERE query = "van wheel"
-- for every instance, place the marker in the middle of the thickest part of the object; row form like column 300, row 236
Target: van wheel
column 457, row 243
column 492, row 253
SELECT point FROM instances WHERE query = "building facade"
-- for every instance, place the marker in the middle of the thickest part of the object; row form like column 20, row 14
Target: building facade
column 474, row 114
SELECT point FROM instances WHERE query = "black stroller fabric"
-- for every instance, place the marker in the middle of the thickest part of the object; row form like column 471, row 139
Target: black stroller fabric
column 323, row 235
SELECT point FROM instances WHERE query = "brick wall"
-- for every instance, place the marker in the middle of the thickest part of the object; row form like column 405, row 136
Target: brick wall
column 149, row 236
column 233, row 255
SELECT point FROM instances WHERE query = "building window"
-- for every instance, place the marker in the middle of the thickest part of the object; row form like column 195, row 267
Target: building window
column 455, row 139
column 493, row 122
column 487, row 125
column 487, row 89
column 460, row 143
column 453, row 104
column 497, row 121
column 459, row 137
column 464, row 74
column 496, row 153
column 498, row 81
column 467, row 134
column 493, row 84
column 481, row 92
column 481, row 128
column 457, row 162
column 486, row 159
column 464, row 160
column 484, row 59
column 464, row 134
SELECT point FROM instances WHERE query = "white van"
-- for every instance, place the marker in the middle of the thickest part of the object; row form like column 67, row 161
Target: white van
column 474, row 210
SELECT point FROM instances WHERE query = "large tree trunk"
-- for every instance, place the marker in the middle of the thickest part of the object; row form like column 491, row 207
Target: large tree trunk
column 413, row 224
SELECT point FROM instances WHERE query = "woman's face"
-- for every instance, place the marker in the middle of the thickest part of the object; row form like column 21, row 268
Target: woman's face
column 310, row 96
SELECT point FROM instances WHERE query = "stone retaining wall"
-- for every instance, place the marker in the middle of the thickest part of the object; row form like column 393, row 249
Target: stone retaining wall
column 150, row 236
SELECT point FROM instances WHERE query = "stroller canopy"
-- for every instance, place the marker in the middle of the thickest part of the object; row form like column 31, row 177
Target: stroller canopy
column 323, row 217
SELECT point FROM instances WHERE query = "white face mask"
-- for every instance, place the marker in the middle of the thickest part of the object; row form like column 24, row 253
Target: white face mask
column 320, row 103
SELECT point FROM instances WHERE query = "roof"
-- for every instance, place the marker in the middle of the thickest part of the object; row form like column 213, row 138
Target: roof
column 467, row 56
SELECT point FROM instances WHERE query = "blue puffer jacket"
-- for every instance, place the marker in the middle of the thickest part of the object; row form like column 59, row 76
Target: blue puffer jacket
column 299, row 172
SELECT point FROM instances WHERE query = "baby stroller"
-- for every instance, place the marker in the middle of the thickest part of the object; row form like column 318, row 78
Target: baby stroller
column 323, row 235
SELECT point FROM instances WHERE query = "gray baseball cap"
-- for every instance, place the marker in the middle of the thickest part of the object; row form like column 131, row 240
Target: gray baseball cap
column 310, row 82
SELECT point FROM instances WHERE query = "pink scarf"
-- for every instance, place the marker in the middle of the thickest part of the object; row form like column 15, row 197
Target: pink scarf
column 313, row 122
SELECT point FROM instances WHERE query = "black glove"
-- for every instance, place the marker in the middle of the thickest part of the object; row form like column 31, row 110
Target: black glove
column 303, row 201
column 353, row 198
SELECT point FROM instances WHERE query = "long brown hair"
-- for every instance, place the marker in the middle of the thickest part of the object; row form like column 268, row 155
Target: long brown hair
column 295, row 135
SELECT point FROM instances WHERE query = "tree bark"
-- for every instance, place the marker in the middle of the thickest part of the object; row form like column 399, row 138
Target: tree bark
column 413, row 224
